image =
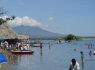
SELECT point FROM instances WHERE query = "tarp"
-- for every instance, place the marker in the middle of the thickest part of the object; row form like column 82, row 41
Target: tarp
column 3, row 59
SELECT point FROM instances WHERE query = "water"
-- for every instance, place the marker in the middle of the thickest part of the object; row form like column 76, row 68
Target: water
column 55, row 57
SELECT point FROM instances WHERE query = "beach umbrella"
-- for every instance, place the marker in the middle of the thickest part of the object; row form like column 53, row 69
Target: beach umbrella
column 3, row 59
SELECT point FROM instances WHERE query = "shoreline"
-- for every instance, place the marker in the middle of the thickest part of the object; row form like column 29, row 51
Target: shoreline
column 5, row 52
column 88, row 38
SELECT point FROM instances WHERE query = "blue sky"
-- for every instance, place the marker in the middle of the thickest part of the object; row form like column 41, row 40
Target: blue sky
column 60, row 16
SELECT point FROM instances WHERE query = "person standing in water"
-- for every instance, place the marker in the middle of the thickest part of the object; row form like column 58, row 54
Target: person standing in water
column 41, row 46
column 74, row 65
column 90, row 53
column 82, row 56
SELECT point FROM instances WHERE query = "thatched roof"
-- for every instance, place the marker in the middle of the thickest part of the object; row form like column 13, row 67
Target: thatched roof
column 23, row 37
column 6, row 32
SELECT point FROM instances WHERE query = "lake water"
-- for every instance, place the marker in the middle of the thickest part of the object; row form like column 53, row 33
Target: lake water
column 55, row 57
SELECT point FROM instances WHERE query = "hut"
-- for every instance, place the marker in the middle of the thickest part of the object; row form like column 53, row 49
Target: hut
column 6, row 32
column 20, row 36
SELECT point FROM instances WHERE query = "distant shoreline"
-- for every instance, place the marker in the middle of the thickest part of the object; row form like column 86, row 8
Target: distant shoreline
column 88, row 38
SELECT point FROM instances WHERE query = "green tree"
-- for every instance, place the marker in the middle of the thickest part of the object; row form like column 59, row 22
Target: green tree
column 2, row 12
column 70, row 37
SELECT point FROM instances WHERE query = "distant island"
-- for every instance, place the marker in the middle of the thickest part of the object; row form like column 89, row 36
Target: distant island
column 71, row 37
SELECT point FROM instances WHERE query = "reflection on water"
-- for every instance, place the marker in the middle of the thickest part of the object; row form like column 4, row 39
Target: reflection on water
column 52, row 57
column 82, row 65
column 41, row 52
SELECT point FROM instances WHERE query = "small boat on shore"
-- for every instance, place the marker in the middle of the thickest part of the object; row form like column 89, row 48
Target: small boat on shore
column 22, row 52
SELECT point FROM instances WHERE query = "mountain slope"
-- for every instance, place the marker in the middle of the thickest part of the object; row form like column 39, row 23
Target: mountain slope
column 36, row 32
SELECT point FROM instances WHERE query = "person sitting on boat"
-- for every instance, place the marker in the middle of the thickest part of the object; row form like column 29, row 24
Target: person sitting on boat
column 28, row 46
column 25, row 47
column 22, row 48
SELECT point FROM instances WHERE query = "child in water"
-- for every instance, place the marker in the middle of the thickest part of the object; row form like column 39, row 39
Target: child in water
column 82, row 56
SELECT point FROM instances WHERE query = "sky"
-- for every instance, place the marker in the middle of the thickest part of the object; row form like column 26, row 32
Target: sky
column 59, row 16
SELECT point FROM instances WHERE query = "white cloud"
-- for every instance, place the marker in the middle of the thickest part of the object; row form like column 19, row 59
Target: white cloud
column 26, row 21
column 51, row 19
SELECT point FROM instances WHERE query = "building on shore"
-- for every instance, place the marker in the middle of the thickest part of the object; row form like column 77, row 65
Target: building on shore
column 8, row 34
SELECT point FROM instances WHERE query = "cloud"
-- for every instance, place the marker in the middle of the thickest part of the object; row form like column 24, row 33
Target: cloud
column 51, row 19
column 25, row 21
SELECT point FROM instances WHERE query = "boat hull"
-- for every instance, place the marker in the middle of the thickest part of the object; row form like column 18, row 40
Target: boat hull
column 22, row 52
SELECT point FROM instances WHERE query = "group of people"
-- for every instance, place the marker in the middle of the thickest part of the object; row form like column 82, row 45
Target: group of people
column 4, row 45
column 74, row 65
column 20, row 47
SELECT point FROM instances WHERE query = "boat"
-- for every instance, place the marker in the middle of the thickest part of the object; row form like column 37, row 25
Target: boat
column 36, row 45
column 22, row 52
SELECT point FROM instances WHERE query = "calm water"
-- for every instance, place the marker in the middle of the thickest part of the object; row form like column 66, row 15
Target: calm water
column 55, row 57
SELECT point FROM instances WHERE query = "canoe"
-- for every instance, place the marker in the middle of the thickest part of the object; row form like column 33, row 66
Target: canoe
column 22, row 52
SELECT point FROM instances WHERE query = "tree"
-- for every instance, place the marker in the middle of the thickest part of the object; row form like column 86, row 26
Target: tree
column 70, row 37
column 13, row 17
column 2, row 21
column 2, row 12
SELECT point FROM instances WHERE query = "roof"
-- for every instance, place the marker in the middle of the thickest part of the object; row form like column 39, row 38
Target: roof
column 6, row 32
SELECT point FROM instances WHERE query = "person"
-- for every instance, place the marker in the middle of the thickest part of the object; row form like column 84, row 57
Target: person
column 90, row 53
column 25, row 47
column 2, row 45
column 74, row 65
column 74, row 49
column 82, row 56
column 41, row 45
column 22, row 48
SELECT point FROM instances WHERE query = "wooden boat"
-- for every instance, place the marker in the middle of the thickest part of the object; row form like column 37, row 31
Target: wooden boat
column 22, row 52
